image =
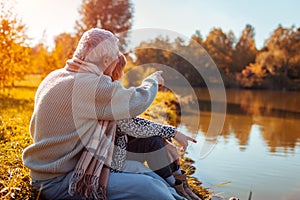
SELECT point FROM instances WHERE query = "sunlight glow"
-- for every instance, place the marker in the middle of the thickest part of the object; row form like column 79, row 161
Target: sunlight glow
column 57, row 16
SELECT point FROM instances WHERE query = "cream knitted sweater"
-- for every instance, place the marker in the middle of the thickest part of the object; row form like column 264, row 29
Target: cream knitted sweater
column 67, row 108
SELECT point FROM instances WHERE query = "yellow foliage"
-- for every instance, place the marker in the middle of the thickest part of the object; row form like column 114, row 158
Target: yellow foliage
column 14, row 53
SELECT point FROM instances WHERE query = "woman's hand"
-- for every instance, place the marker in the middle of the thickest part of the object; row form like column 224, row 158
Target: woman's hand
column 183, row 140
column 157, row 76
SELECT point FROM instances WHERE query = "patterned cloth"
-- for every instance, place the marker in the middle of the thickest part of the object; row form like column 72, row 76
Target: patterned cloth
column 136, row 127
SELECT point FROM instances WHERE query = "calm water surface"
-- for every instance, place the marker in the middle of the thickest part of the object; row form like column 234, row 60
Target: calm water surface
column 258, row 150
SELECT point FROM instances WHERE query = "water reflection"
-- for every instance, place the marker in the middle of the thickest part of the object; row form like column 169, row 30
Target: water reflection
column 276, row 113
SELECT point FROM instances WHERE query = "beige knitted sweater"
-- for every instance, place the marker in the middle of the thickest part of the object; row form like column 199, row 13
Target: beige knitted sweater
column 67, row 108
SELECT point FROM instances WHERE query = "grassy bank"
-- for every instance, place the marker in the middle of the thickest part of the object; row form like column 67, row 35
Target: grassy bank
column 16, row 106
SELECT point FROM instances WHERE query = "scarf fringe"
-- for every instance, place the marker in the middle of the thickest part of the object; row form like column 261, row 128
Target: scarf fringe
column 75, row 182
column 91, row 184
column 87, row 186
column 90, row 176
column 102, row 192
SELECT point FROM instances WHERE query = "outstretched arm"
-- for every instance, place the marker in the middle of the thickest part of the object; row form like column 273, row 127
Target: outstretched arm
column 123, row 103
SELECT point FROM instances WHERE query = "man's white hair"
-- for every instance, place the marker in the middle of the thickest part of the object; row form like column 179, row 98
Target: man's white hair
column 96, row 43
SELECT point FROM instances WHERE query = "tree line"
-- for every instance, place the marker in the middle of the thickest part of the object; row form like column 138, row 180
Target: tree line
column 275, row 66
column 240, row 63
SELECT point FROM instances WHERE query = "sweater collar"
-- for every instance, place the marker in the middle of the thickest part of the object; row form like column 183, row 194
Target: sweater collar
column 80, row 66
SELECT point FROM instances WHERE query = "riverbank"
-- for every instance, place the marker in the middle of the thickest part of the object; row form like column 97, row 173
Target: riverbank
column 16, row 106
column 166, row 110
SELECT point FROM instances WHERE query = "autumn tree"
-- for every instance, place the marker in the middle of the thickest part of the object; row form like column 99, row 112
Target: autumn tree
column 220, row 47
column 180, row 56
column 278, row 62
column 294, row 70
column 148, row 55
column 40, row 57
column 14, row 52
column 245, row 50
column 280, row 49
column 197, row 37
column 152, row 51
column 113, row 15
column 188, row 58
column 65, row 45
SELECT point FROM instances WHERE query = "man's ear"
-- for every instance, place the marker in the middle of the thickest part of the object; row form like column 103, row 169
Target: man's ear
column 105, row 60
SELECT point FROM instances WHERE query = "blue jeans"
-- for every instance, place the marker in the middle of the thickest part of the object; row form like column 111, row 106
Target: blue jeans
column 142, row 184
column 55, row 188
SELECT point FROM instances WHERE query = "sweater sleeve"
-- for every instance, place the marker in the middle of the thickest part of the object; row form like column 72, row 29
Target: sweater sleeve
column 124, row 103
column 141, row 128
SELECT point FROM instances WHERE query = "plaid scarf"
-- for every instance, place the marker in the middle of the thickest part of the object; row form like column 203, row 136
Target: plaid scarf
column 77, row 65
column 91, row 173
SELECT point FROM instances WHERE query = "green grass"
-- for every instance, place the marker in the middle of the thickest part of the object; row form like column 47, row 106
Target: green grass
column 16, row 107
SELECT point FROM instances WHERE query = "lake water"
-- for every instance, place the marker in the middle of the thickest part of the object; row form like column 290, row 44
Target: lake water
column 258, row 149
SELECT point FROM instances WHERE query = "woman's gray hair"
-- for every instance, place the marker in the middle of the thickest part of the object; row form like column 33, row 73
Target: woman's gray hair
column 96, row 43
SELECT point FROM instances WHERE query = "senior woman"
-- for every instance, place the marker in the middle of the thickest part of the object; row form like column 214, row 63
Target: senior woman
column 76, row 112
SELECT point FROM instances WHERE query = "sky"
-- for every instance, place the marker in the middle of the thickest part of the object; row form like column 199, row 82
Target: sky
column 48, row 18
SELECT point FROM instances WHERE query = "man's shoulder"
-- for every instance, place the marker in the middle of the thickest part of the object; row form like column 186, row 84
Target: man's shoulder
column 56, row 73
